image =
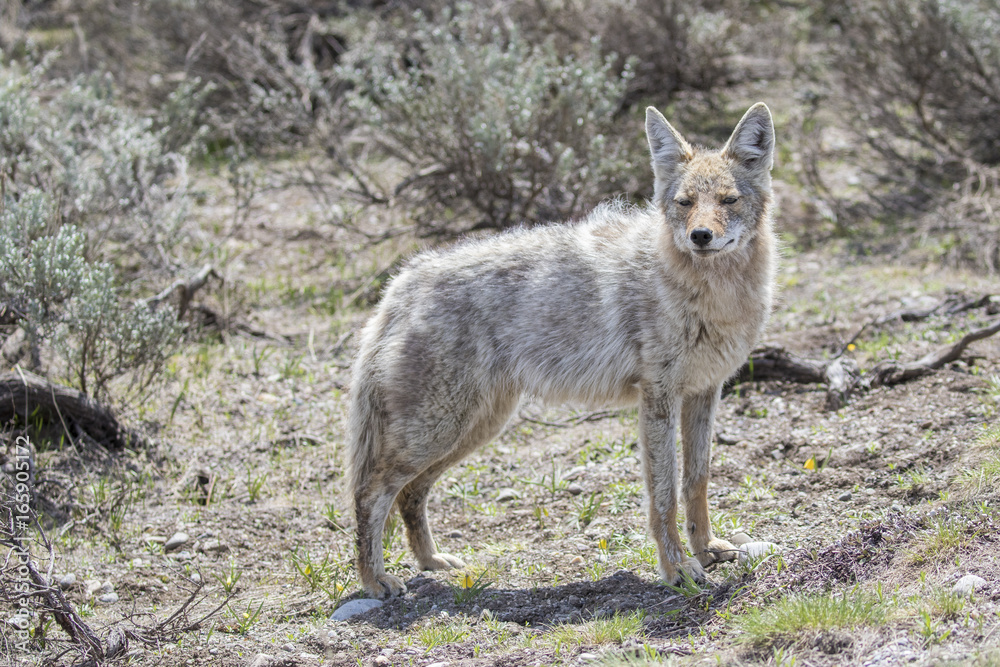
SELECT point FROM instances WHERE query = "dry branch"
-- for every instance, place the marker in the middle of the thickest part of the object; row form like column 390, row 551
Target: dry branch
column 28, row 396
column 842, row 376
column 186, row 289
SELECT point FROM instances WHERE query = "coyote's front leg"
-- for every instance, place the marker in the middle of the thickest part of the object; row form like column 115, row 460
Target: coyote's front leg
column 697, row 420
column 658, row 441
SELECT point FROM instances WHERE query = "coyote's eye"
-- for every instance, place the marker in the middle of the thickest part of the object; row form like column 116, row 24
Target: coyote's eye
column 683, row 202
column 730, row 200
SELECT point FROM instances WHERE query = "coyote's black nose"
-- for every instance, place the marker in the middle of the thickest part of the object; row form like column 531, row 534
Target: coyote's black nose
column 701, row 237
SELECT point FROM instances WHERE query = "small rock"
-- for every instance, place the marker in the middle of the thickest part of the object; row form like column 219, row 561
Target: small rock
column 387, row 651
column 752, row 551
column 588, row 657
column 67, row 581
column 507, row 494
column 213, row 546
column 455, row 535
column 262, row 660
column 91, row 586
column 574, row 489
column 136, row 562
column 107, row 587
column 108, row 598
column 381, row 660
column 896, row 507
column 739, row 539
column 154, row 539
column 574, row 474
column 182, row 555
column 727, row 438
column 196, row 577
column 213, row 651
column 777, row 454
column 439, row 664
column 288, row 647
column 577, row 561
column 355, row 607
column 845, row 496
column 176, row 542
column 968, row 585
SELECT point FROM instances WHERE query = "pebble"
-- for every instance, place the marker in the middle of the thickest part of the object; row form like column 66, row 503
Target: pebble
column 456, row 534
column 577, row 561
column 107, row 587
column 752, row 551
column 176, row 542
column 777, row 454
column 845, row 496
column 108, row 598
column 213, row 546
column 91, row 586
column 182, row 555
column 507, row 494
column 588, row 657
column 968, row 585
column 739, row 539
column 381, row 660
column 439, row 664
column 262, row 660
column 355, row 607
column 67, row 581
column 288, row 647
column 574, row 489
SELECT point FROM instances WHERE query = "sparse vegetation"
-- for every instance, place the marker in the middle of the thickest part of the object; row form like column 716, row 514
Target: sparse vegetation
column 296, row 154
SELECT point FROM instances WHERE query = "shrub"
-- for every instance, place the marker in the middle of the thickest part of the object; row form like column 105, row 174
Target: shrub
column 489, row 127
column 921, row 82
column 60, row 296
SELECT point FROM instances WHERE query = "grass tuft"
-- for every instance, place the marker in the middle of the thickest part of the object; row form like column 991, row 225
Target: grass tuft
column 792, row 617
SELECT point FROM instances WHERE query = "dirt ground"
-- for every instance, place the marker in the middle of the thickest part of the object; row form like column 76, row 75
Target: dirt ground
column 245, row 457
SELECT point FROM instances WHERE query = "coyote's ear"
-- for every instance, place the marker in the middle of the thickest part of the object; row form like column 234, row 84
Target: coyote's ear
column 752, row 143
column 666, row 145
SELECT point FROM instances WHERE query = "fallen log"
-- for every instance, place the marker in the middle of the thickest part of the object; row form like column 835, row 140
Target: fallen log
column 842, row 375
column 28, row 396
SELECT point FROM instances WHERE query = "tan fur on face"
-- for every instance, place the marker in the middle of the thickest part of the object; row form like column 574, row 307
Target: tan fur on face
column 614, row 310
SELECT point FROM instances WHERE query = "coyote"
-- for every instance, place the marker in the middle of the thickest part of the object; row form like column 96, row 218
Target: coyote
column 654, row 306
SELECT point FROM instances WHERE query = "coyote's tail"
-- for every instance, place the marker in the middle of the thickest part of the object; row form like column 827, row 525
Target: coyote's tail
column 366, row 423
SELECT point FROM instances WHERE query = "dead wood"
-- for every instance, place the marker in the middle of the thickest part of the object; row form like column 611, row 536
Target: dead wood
column 842, row 376
column 28, row 396
column 185, row 289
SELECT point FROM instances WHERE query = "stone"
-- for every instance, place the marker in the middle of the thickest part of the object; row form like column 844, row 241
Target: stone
column 91, row 586
column 355, row 607
column 108, row 598
column 739, row 539
column 588, row 657
column 577, row 561
column 574, row 489
column 176, row 542
column 754, row 551
column 777, row 454
column 455, row 535
column 288, row 647
column 968, row 585
column 214, row 547
column 439, row 664
column 107, row 587
column 845, row 496
column 381, row 660
column 262, row 660
column 507, row 494
column 67, row 581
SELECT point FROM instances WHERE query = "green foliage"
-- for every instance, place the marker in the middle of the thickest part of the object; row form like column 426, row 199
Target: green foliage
column 490, row 127
column 790, row 617
column 61, row 297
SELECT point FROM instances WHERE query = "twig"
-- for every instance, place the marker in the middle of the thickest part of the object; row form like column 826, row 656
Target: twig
column 186, row 289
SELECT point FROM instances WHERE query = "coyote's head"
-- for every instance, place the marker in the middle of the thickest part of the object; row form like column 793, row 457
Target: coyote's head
column 713, row 201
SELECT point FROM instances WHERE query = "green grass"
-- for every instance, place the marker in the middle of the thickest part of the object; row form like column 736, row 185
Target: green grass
column 792, row 617
column 432, row 636
column 612, row 630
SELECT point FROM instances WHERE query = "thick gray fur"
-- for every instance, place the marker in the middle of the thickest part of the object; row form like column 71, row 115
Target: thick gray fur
column 654, row 306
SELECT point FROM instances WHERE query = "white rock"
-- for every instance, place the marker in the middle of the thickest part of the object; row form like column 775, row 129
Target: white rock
column 588, row 657
column 67, row 581
column 288, row 647
column 439, row 664
column 176, row 542
column 214, row 546
column 107, row 587
column 739, row 539
column 355, row 607
column 753, row 551
column 91, row 586
column 507, row 494
column 262, row 660
column 968, row 585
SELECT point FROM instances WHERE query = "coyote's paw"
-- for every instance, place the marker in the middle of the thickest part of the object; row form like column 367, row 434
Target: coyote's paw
column 717, row 551
column 442, row 561
column 387, row 586
column 674, row 574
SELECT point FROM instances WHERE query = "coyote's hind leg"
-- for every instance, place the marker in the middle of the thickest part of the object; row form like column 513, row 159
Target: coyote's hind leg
column 373, row 500
column 412, row 500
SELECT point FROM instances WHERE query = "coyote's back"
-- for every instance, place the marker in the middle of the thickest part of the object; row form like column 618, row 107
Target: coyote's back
column 656, row 306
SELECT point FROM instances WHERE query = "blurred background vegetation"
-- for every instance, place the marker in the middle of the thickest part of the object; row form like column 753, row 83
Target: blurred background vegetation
column 430, row 119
